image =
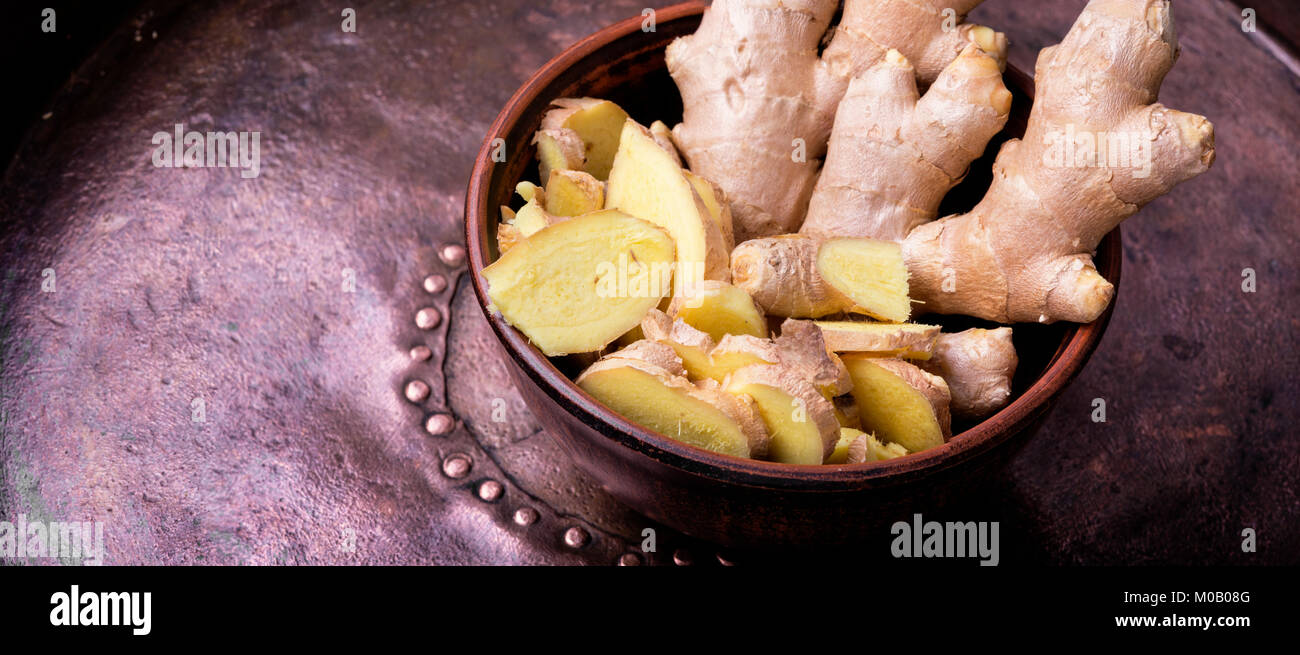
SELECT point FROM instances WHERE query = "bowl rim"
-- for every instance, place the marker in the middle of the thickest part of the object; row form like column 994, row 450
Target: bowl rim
column 1077, row 345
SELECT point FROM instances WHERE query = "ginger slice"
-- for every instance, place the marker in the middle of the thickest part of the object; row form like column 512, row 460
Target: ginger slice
column 578, row 285
column 595, row 123
column 670, row 405
column 899, row 402
column 800, row 277
column 801, row 347
column 909, row 340
column 573, row 193
column 800, row 421
column 719, row 309
column 644, row 182
column 978, row 366
column 719, row 209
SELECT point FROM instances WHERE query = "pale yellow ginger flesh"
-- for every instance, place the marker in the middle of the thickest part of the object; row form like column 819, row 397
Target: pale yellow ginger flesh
column 573, row 193
column 559, row 150
column 663, row 135
column 719, row 309
column 799, row 277
column 759, row 100
column 895, row 154
column 719, row 209
column 578, row 285
column 858, row 447
column 702, row 358
column 899, row 402
column 979, row 366
column 670, row 405
column 840, row 454
column 908, row 340
column 646, row 183
column 595, row 123
column 800, row 421
column 1024, row 253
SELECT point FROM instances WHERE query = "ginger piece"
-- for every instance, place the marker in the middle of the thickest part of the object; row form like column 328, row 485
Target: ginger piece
column 802, row 348
column 657, row 399
column 559, row 150
column 799, row 277
column 800, row 421
column 894, row 155
column 644, row 182
column 529, row 220
column 736, row 351
column 573, row 193
column 867, row 448
column 978, row 366
column 595, row 123
column 899, row 402
column 719, row 309
column 578, row 285
column 1024, row 252
column 719, row 208
column 908, row 340
column 840, row 454
column 663, row 135
column 703, row 359
column 759, row 101
column 846, row 410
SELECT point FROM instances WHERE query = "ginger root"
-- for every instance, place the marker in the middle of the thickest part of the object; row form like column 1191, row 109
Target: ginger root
column 894, row 154
column 795, row 276
column 720, row 309
column 799, row 419
column 908, row 340
column 573, row 193
column 978, row 366
column 562, row 286
column 632, row 383
column 899, row 402
column 1024, row 252
column 646, row 183
column 759, row 101
column 580, row 134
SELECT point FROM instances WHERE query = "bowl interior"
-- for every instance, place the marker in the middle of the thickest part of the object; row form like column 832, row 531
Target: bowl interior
column 625, row 64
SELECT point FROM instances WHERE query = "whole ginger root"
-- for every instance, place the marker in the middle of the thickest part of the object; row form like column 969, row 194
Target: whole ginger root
column 759, row 102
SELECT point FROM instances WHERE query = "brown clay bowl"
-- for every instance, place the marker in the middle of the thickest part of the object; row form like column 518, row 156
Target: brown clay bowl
column 731, row 501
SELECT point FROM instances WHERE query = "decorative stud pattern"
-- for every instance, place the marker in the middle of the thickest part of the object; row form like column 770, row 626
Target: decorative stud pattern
column 683, row 557
column 629, row 559
column 526, row 516
column 452, row 254
column 490, row 491
column 417, row 391
column 428, row 318
column 435, row 283
column 421, row 354
column 575, row 537
column 457, row 466
column 439, row 424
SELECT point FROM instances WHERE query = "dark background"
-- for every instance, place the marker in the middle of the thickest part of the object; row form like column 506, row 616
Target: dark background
column 182, row 284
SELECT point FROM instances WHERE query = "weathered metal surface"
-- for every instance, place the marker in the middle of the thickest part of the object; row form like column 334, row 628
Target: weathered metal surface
column 179, row 284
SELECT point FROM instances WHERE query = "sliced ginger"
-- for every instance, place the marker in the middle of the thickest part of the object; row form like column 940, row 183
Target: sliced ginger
column 702, row 358
column 576, row 286
column 594, row 124
column 720, row 309
column 858, row 447
column 799, row 419
column 646, row 183
column 573, row 193
column 800, row 277
column 899, row 402
column 908, row 340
